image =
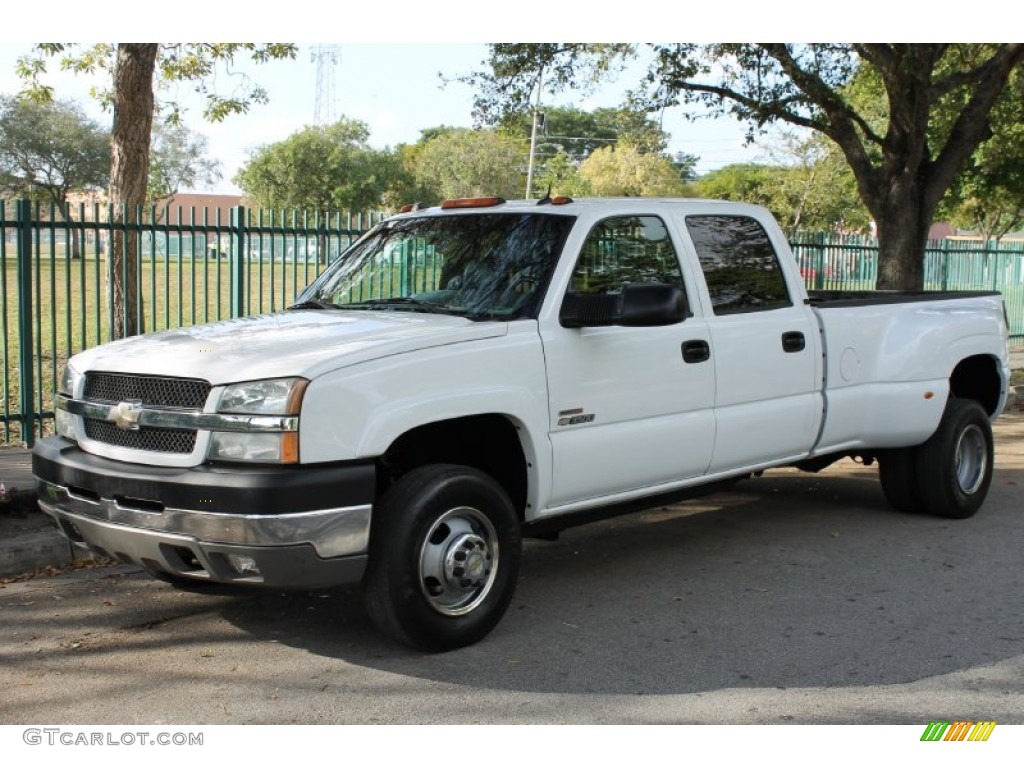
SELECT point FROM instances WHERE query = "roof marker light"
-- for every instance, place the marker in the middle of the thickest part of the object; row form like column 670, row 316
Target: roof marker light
column 472, row 202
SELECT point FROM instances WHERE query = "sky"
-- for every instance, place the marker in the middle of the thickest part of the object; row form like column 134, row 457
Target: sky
column 392, row 58
column 397, row 89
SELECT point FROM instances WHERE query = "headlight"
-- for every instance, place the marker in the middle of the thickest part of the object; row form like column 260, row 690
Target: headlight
column 64, row 422
column 69, row 379
column 270, row 397
column 276, row 447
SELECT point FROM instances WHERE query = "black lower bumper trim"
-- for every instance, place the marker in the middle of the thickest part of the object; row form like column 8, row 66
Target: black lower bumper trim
column 261, row 490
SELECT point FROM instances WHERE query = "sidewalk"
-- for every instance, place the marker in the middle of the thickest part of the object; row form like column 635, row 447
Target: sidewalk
column 29, row 539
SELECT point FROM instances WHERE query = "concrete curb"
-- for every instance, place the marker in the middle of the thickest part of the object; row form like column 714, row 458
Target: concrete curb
column 32, row 551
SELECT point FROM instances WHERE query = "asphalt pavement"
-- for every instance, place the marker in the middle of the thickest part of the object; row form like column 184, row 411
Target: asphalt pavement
column 794, row 598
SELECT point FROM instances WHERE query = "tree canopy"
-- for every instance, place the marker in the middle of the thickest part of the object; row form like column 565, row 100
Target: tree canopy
column 578, row 132
column 902, row 171
column 179, row 160
column 51, row 149
column 988, row 196
column 807, row 186
column 461, row 162
column 624, row 170
column 320, row 168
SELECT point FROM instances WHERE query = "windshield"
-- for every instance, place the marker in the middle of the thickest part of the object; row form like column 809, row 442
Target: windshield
column 483, row 266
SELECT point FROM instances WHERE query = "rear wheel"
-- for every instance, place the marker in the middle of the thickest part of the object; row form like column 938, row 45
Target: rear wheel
column 444, row 557
column 897, row 471
column 954, row 467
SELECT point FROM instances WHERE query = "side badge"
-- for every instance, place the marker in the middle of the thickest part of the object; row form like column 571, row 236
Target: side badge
column 574, row 416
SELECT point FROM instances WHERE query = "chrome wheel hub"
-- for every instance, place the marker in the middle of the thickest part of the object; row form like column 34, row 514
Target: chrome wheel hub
column 458, row 561
column 971, row 459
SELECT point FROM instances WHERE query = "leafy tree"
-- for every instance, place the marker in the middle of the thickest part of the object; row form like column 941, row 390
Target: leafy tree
column 902, row 172
column 577, row 132
column 178, row 160
column 988, row 196
column 50, row 150
column 624, row 170
column 560, row 174
column 461, row 162
column 321, row 169
column 815, row 188
column 742, row 182
column 136, row 69
column 807, row 187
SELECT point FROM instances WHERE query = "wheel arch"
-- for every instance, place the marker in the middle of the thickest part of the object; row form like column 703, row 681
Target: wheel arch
column 491, row 443
column 979, row 378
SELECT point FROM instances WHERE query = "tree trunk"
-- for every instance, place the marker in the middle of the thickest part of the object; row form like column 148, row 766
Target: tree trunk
column 901, row 244
column 903, row 219
column 129, row 175
column 65, row 210
column 900, row 203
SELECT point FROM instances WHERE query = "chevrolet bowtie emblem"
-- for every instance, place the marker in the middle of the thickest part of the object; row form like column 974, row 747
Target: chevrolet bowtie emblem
column 126, row 414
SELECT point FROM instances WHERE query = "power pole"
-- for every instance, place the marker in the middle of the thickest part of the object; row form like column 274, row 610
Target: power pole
column 538, row 117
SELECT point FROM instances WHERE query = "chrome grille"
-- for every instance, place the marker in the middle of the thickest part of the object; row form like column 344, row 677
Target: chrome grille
column 156, row 391
column 144, row 439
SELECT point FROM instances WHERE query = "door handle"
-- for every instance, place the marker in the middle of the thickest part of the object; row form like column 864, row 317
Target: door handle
column 793, row 341
column 696, row 351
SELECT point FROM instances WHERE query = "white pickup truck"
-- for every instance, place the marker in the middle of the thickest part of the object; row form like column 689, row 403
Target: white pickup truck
column 473, row 373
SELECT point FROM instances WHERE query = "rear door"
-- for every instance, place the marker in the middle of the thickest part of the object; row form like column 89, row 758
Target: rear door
column 764, row 344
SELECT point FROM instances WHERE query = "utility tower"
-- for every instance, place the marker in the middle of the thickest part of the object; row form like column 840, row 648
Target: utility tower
column 327, row 58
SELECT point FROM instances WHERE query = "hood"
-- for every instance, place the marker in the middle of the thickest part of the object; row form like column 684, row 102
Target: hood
column 296, row 343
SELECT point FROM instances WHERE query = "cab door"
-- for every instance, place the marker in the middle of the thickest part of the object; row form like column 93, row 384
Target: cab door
column 630, row 407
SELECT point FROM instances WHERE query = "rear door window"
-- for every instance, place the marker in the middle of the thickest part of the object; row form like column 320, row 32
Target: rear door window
column 740, row 265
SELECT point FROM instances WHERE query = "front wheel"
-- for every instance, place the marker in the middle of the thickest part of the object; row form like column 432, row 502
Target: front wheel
column 954, row 467
column 444, row 557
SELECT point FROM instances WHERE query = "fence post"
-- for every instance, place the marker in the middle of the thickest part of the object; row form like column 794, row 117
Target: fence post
column 239, row 273
column 819, row 273
column 26, row 343
column 945, row 264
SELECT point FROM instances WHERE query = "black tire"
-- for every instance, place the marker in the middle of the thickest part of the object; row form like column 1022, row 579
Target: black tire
column 954, row 467
column 445, row 545
column 897, row 471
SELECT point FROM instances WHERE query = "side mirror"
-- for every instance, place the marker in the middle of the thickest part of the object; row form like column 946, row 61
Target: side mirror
column 639, row 304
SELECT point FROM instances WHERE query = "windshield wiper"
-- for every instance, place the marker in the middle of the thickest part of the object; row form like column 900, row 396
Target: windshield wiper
column 314, row 304
column 406, row 303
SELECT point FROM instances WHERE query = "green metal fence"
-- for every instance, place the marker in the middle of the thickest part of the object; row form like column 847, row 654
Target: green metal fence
column 194, row 266
column 844, row 262
column 202, row 265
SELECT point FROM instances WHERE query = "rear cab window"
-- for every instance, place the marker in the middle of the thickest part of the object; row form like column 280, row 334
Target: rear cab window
column 740, row 265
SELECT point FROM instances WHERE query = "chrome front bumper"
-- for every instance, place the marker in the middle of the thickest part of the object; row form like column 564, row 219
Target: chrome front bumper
column 303, row 526
column 297, row 550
